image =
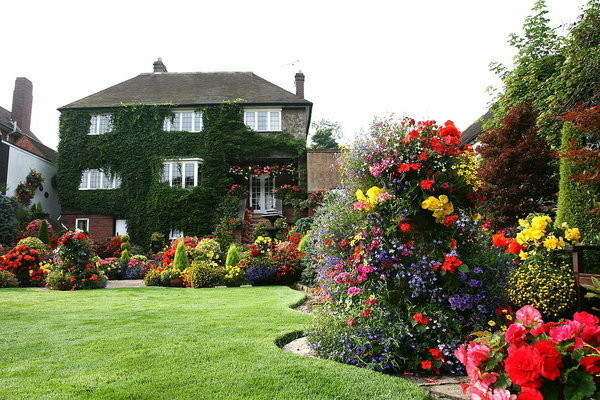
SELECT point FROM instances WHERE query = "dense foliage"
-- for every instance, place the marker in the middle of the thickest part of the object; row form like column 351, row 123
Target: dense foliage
column 515, row 168
column 403, row 270
column 135, row 150
column 535, row 360
column 8, row 222
column 325, row 136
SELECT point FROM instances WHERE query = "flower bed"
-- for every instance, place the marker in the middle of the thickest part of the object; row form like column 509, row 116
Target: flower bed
column 403, row 267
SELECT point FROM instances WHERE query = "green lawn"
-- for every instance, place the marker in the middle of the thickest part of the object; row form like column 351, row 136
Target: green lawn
column 168, row 343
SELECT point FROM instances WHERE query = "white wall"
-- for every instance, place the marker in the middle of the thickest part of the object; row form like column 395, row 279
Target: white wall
column 20, row 162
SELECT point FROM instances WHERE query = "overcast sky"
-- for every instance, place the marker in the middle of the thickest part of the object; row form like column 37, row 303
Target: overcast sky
column 427, row 59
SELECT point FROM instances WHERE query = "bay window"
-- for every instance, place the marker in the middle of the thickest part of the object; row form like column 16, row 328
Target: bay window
column 185, row 173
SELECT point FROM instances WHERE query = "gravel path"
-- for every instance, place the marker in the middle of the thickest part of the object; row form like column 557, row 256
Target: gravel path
column 124, row 283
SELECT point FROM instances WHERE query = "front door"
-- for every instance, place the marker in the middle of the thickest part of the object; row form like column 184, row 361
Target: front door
column 262, row 196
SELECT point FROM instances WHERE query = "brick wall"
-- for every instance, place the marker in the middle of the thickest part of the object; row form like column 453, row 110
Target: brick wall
column 101, row 226
column 323, row 171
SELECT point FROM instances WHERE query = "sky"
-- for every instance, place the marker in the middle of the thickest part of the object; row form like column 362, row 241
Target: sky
column 428, row 59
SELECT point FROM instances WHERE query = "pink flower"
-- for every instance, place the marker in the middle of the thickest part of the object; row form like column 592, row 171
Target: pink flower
column 502, row 394
column 529, row 316
column 477, row 353
column 585, row 318
column 461, row 354
column 353, row 290
column 565, row 332
column 515, row 334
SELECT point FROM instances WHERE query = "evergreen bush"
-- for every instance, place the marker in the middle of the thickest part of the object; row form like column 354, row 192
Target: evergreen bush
column 8, row 221
column 43, row 232
column 180, row 262
column 233, row 256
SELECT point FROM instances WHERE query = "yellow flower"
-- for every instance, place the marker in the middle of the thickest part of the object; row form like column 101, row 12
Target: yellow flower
column 443, row 199
column 523, row 223
column 573, row 235
column 431, row 203
column 477, row 217
column 491, row 323
column 370, row 200
column 540, row 222
column 523, row 255
column 441, row 207
column 553, row 243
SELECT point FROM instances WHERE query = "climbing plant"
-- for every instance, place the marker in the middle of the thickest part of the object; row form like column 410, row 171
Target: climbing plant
column 135, row 149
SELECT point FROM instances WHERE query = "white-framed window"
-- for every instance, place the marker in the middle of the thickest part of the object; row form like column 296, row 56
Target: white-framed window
column 100, row 124
column 263, row 120
column 185, row 173
column 184, row 120
column 82, row 224
column 94, row 179
column 175, row 234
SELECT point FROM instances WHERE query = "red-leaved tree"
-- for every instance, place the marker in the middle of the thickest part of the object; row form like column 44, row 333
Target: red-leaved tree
column 516, row 169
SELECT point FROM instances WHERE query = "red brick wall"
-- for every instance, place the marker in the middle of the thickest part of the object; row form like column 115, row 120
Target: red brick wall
column 101, row 226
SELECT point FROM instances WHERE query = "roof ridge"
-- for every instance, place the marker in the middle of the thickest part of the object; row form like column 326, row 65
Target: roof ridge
column 197, row 72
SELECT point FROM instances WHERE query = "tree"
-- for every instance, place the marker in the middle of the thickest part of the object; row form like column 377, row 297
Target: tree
column 326, row 135
column 515, row 169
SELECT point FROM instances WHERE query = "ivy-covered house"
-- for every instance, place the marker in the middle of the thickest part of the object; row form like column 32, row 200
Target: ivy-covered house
column 161, row 151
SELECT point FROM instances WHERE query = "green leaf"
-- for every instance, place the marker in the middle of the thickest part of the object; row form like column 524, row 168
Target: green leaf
column 464, row 268
column 502, row 382
column 421, row 328
column 580, row 385
column 551, row 390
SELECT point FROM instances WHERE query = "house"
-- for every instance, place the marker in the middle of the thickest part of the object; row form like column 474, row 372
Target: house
column 97, row 188
column 21, row 150
column 471, row 134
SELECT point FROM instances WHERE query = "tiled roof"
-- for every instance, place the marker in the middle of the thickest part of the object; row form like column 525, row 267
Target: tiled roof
column 190, row 89
column 470, row 134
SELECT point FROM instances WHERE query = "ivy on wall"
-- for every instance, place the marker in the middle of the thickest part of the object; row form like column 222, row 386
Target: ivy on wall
column 135, row 150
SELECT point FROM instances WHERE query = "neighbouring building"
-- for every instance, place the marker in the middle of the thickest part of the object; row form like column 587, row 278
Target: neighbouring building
column 471, row 134
column 323, row 169
column 95, row 195
column 22, row 151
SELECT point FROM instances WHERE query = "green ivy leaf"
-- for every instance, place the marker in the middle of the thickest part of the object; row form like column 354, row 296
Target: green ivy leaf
column 464, row 268
column 580, row 385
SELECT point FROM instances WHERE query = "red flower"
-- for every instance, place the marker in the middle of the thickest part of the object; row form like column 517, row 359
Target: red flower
column 350, row 321
column 499, row 240
column 591, row 365
column 420, row 318
column 426, row 184
column 451, row 263
column 449, row 130
column 515, row 335
column 551, row 359
column 405, row 227
column 450, row 220
column 436, row 354
column 366, row 313
column 523, row 366
column 426, row 364
column 514, row 247
column 528, row 393
column 255, row 252
column 405, row 167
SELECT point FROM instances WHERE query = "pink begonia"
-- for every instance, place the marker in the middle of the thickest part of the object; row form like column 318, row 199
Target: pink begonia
column 529, row 316
column 586, row 318
column 353, row 290
column 502, row 394
column 515, row 334
column 565, row 331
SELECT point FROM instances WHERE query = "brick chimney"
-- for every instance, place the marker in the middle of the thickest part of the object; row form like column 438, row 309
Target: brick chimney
column 22, row 102
column 300, row 84
column 159, row 66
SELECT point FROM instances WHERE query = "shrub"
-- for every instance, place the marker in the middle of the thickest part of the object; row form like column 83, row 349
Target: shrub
column 574, row 199
column 43, row 234
column 170, row 275
column 263, row 272
column 169, row 255
column 34, row 243
column 308, row 275
column 203, row 273
column 233, row 275
column 136, row 267
column 75, row 268
column 157, row 242
column 24, row 263
column 154, row 278
column 225, row 231
column 109, row 248
column 549, row 288
column 8, row 280
column 8, row 222
column 111, row 267
column 303, row 225
column 233, row 256
column 515, row 168
column 535, row 360
column 207, row 250
column 180, row 262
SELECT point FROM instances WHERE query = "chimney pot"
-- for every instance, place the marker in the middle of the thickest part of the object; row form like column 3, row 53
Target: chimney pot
column 159, row 66
column 300, row 84
column 22, row 103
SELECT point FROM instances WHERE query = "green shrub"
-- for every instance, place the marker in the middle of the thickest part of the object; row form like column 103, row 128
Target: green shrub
column 169, row 274
column 308, row 275
column 43, row 232
column 549, row 288
column 303, row 225
column 233, row 256
column 35, row 244
column 208, row 250
column 154, row 278
column 8, row 280
column 180, row 262
column 8, row 221
column 125, row 256
column 203, row 273
column 574, row 199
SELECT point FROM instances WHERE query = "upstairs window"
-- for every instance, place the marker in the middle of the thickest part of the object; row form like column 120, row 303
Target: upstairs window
column 263, row 120
column 93, row 179
column 184, row 173
column 100, row 124
column 186, row 121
